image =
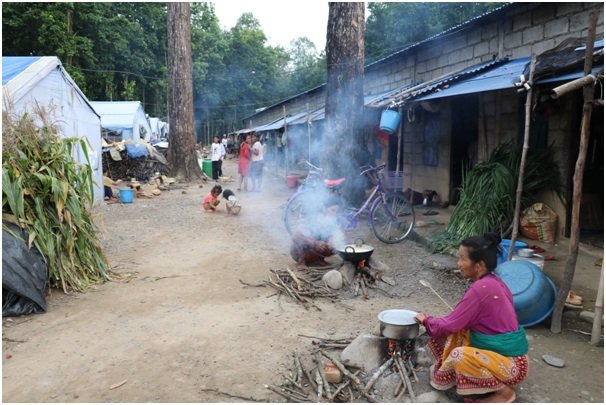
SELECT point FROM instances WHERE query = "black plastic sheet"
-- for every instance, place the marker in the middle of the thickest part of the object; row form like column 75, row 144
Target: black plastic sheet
column 24, row 274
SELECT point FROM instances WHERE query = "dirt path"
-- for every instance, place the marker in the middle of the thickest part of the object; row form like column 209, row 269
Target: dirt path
column 183, row 325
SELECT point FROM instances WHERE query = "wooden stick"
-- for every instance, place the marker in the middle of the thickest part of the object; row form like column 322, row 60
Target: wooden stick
column 322, row 374
column 364, row 292
column 312, row 382
column 599, row 307
column 300, row 395
column 377, row 374
column 320, row 384
column 341, row 367
column 296, row 384
column 298, row 367
column 332, row 397
column 404, row 374
column 285, row 395
column 231, row 395
column 412, row 369
column 294, row 278
column 397, row 390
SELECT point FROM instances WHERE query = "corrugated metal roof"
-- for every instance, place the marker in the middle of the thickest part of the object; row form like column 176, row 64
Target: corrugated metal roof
column 409, row 91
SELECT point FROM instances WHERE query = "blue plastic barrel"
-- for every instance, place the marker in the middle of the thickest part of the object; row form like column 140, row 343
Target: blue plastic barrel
column 534, row 293
column 127, row 196
column 390, row 120
column 505, row 244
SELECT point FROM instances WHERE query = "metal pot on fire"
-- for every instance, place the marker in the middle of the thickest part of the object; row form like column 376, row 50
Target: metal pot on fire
column 399, row 324
column 356, row 252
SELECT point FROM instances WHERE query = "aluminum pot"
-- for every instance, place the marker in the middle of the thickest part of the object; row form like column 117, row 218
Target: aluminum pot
column 399, row 324
column 356, row 252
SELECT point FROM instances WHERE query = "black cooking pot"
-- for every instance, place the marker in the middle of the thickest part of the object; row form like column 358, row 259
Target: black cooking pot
column 356, row 252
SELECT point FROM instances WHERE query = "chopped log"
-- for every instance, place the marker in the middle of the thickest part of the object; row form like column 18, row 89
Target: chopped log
column 341, row 367
column 573, row 85
column 377, row 374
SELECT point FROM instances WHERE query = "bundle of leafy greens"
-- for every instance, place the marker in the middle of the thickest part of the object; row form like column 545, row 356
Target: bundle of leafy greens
column 488, row 193
column 48, row 194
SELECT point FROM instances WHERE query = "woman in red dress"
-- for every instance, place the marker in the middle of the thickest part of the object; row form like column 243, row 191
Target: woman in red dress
column 244, row 163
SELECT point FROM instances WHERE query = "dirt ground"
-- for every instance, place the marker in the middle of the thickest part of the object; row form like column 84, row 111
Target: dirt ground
column 181, row 327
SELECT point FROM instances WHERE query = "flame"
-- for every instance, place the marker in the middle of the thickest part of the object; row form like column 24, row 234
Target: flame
column 361, row 264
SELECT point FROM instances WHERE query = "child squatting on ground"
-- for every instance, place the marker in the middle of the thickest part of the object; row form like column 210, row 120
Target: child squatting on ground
column 232, row 203
column 211, row 201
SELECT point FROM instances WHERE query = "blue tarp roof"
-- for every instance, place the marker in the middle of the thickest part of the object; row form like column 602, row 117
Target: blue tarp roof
column 498, row 78
column 13, row 65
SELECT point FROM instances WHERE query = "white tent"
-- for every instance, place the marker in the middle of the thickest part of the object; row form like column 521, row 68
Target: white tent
column 27, row 80
column 125, row 119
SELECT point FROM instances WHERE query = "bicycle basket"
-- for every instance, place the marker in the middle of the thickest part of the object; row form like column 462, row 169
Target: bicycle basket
column 393, row 180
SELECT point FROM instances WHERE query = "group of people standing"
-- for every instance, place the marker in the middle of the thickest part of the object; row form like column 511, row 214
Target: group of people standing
column 250, row 164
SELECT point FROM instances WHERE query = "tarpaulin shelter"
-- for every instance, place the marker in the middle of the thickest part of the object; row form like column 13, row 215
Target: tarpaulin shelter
column 42, row 80
column 123, row 120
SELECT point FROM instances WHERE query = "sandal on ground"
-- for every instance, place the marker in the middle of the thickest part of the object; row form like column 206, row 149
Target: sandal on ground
column 537, row 249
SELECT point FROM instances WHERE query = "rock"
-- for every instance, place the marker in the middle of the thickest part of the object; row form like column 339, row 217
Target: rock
column 365, row 352
column 553, row 361
column 333, row 279
column 377, row 264
column 433, row 397
column 348, row 270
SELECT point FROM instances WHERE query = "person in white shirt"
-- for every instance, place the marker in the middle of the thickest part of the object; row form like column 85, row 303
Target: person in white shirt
column 256, row 168
column 217, row 152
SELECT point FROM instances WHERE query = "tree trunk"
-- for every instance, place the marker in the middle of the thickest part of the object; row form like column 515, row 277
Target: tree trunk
column 181, row 153
column 343, row 149
column 577, row 188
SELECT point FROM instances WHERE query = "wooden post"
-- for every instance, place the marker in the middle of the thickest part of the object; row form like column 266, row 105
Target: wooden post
column 308, row 134
column 285, row 146
column 596, row 331
column 516, row 212
column 577, row 189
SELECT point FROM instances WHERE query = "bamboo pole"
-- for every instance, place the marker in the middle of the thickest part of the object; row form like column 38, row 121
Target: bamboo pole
column 577, row 189
column 516, row 212
column 599, row 309
column 308, row 134
column 285, row 146
column 573, row 85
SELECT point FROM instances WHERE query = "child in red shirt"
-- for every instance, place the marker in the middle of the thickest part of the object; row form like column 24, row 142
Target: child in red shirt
column 211, row 201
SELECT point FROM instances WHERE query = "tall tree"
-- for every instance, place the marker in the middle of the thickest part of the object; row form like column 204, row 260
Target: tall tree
column 344, row 93
column 181, row 152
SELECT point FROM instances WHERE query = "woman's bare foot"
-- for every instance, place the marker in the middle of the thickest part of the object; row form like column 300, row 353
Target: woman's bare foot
column 504, row 395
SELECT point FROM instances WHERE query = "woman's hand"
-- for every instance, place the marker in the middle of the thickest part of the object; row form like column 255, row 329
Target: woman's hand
column 420, row 317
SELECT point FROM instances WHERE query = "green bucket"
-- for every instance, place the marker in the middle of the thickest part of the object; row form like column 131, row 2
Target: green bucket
column 207, row 167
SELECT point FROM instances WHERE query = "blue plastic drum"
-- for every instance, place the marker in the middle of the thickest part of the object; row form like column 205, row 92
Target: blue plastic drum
column 534, row 294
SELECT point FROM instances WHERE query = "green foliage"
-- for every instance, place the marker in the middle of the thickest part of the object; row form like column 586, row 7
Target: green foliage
column 48, row 193
column 488, row 193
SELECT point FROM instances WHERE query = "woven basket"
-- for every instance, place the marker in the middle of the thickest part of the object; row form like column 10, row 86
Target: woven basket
column 539, row 222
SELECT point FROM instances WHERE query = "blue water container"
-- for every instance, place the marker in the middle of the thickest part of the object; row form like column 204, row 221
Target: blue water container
column 390, row 120
column 534, row 293
column 505, row 244
column 127, row 196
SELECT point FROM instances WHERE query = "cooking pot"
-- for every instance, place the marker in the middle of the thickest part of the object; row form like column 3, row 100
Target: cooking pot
column 356, row 252
column 399, row 324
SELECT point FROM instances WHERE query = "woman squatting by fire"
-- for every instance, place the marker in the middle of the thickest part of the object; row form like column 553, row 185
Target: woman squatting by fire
column 479, row 347
column 316, row 239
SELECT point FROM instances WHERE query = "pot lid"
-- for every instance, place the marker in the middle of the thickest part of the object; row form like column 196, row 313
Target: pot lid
column 397, row 317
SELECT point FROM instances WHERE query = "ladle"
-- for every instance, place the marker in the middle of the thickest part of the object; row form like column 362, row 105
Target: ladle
column 426, row 284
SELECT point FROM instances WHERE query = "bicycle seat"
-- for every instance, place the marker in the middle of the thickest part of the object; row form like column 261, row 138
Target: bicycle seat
column 334, row 183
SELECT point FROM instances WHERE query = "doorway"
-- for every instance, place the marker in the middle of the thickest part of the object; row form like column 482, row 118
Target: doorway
column 464, row 141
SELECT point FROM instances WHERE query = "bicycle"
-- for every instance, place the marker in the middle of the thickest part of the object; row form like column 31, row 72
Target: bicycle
column 390, row 216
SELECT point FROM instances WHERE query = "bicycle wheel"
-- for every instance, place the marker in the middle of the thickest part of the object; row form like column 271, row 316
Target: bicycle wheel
column 299, row 207
column 391, row 217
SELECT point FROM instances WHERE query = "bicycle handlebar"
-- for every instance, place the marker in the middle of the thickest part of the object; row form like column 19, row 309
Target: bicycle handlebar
column 369, row 168
column 312, row 166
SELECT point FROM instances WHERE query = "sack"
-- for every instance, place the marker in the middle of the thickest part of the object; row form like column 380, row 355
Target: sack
column 539, row 222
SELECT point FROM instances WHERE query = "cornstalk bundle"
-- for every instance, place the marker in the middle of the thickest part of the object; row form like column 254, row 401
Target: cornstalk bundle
column 47, row 193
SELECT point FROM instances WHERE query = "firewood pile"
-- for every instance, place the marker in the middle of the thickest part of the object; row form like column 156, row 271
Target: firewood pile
column 303, row 289
column 143, row 168
column 307, row 283
column 329, row 380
